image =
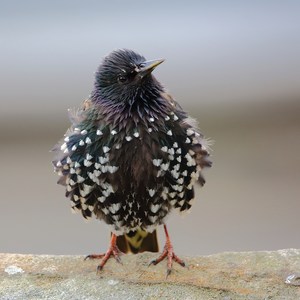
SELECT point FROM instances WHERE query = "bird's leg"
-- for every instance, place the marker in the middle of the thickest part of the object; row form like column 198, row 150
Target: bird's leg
column 113, row 250
column 169, row 253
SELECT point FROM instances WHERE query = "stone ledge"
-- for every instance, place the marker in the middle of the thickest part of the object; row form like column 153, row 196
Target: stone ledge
column 225, row 276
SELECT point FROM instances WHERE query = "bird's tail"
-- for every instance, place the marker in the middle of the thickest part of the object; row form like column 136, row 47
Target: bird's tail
column 138, row 241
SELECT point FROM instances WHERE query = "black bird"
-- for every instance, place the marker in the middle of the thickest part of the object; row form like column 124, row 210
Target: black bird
column 131, row 155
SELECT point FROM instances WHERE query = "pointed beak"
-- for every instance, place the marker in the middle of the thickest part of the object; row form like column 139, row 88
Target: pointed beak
column 148, row 66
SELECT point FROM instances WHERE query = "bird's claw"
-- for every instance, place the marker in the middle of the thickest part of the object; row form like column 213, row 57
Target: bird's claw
column 99, row 269
column 171, row 256
column 113, row 250
column 94, row 256
column 168, row 272
column 152, row 262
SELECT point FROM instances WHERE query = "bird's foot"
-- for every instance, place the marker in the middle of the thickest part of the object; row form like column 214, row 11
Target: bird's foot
column 113, row 250
column 168, row 253
column 171, row 256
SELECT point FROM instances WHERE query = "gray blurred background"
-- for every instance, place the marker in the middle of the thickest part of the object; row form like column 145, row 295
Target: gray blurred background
column 234, row 65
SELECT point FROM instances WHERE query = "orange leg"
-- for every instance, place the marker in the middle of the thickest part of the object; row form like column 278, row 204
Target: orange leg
column 169, row 253
column 113, row 250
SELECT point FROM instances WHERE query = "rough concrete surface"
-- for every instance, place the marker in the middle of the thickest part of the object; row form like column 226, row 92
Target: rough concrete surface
column 225, row 276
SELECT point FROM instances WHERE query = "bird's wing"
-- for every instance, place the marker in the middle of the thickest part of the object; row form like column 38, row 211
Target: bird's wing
column 187, row 153
column 82, row 163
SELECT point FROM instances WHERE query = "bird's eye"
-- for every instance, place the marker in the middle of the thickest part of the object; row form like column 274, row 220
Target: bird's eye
column 142, row 65
column 122, row 78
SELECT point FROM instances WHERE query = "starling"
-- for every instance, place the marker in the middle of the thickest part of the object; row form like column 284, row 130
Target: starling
column 131, row 155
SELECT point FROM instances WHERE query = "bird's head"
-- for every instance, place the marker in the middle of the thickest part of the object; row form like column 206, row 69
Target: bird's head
column 123, row 74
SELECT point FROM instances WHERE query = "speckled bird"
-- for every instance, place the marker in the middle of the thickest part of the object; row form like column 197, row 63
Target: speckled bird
column 131, row 156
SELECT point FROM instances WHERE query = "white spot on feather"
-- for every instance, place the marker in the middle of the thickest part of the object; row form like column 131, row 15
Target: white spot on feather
column 181, row 202
column 171, row 151
column 112, row 169
column 86, row 190
column 180, row 180
column 151, row 192
column 88, row 156
column 115, row 217
column 87, row 163
column 172, row 195
column 88, row 140
column 175, row 174
column 113, row 132
column 136, row 134
column 99, row 132
column 63, row 146
column 106, row 149
column 190, row 160
column 103, row 160
column 178, row 151
column 176, row 167
column 164, row 149
column 97, row 173
column 83, row 132
column 128, row 138
column 154, row 207
column 195, row 141
column 81, row 143
column 153, row 219
column 180, row 188
column 80, row 179
column 104, row 169
column 102, row 199
column 173, row 202
column 115, row 207
column 164, row 195
column 104, row 209
column 191, row 152
column 190, row 186
column 174, row 187
column 93, row 177
column 157, row 162
column 165, row 166
column 189, row 131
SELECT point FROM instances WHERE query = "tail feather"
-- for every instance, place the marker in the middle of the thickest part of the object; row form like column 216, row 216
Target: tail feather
column 138, row 241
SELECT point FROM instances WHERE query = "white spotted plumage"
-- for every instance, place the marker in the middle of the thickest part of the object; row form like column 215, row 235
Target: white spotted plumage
column 130, row 169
